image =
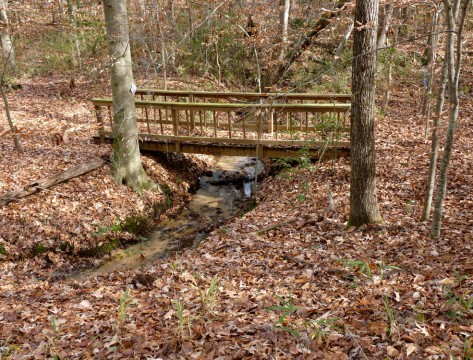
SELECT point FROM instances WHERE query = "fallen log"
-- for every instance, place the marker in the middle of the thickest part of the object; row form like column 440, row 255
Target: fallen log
column 37, row 186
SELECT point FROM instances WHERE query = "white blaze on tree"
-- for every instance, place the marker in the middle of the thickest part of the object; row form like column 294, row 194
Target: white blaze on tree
column 126, row 160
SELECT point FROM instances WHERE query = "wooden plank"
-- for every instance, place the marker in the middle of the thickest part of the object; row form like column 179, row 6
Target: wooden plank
column 215, row 116
column 98, row 114
column 161, row 121
column 299, row 143
column 271, row 121
column 268, row 151
column 245, row 95
column 251, row 127
column 336, row 107
column 191, row 100
column 147, row 119
column 224, row 150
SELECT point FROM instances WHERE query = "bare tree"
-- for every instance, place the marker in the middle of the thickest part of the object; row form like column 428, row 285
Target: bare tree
column 345, row 38
column 435, row 142
column 7, row 111
column 285, row 6
column 430, row 64
column 363, row 204
column 126, row 161
column 384, row 24
column 454, row 66
column 7, row 45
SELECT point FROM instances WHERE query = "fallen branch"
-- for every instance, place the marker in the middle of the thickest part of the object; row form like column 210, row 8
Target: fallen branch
column 42, row 184
column 275, row 226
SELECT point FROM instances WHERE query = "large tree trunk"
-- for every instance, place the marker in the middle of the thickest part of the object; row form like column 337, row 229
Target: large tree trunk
column 454, row 66
column 126, row 161
column 7, row 46
column 363, row 204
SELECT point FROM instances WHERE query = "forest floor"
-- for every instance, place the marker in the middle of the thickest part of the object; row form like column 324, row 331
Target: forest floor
column 308, row 288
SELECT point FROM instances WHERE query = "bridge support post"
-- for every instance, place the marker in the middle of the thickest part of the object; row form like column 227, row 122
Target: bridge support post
column 175, row 125
column 271, row 121
column 98, row 113
column 260, row 151
column 192, row 115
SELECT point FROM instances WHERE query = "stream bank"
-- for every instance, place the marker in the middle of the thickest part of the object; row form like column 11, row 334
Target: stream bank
column 224, row 192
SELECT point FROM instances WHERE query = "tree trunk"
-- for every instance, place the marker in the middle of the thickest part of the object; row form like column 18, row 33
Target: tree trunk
column 71, row 7
column 435, row 143
column 126, row 161
column 384, row 26
column 310, row 37
column 7, row 46
column 285, row 6
column 432, row 43
column 389, row 75
column 8, row 116
column 454, row 66
column 363, row 204
column 164, row 53
column 345, row 38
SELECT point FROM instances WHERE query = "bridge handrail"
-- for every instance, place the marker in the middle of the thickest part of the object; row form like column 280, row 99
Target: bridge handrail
column 290, row 107
column 195, row 95
column 266, row 124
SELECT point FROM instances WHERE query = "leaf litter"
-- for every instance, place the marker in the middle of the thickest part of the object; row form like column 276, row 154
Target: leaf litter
column 310, row 289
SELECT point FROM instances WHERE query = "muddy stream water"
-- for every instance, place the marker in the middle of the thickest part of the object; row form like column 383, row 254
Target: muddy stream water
column 224, row 193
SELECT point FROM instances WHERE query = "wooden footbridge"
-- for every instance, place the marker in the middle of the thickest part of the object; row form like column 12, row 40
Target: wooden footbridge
column 263, row 125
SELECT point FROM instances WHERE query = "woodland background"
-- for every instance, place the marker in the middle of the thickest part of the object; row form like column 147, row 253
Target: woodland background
column 310, row 289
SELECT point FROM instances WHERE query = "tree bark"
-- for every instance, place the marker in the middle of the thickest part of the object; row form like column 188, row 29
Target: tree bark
column 345, row 38
column 389, row 73
column 432, row 43
column 435, row 143
column 71, row 7
column 7, row 45
column 285, row 6
column 126, row 161
column 363, row 204
column 8, row 116
column 454, row 66
column 384, row 25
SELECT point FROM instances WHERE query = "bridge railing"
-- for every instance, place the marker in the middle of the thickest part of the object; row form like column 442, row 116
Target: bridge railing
column 238, row 97
column 291, row 124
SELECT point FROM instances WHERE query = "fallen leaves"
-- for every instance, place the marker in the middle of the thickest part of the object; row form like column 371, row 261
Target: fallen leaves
column 299, row 260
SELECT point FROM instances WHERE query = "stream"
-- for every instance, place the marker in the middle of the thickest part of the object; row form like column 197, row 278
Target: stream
column 224, row 193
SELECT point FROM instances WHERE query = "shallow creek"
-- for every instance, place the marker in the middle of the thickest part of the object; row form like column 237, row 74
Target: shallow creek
column 223, row 193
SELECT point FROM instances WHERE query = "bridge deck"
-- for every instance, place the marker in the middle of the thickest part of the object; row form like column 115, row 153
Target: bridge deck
column 247, row 129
